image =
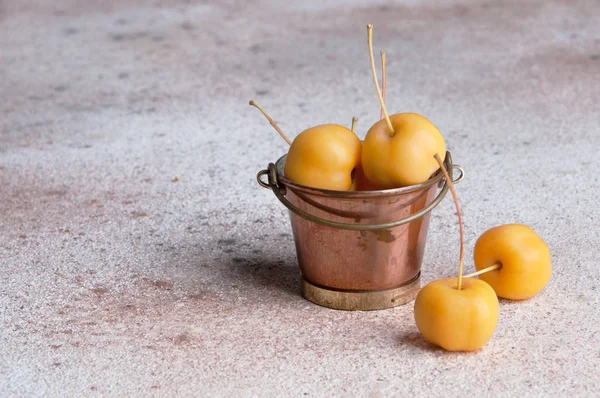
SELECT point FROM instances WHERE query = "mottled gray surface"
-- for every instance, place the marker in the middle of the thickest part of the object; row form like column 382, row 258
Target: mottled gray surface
column 139, row 257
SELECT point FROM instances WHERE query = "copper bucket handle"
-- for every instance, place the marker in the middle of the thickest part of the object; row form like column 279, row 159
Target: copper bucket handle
column 279, row 192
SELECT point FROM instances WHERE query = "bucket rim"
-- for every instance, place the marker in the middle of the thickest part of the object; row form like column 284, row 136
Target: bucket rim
column 436, row 178
column 280, row 191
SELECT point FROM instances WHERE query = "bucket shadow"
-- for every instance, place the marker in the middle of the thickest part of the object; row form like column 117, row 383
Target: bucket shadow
column 263, row 261
column 241, row 264
column 266, row 271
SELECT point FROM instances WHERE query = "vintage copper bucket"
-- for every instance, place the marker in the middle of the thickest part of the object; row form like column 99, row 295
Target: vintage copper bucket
column 359, row 250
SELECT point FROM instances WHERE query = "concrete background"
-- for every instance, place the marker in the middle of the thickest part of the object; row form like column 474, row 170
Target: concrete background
column 138, row 256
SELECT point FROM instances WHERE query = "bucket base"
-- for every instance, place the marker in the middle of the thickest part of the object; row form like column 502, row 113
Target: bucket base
column 362, row 300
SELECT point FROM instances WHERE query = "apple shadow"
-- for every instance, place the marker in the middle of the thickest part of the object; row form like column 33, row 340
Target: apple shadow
column 508, row 302
column 416, row 340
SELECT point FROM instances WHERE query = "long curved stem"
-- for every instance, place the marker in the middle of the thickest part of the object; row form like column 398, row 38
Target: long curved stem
column 275, row 126
column 354, row 120
column 485, row 270
column 460, row 223
column 382, row 82
column 374, row 73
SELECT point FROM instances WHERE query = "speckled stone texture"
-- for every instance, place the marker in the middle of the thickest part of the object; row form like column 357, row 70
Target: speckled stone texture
column 138, row 256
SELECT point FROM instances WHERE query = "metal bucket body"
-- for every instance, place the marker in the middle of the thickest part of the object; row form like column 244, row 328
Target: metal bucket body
column 359, row 250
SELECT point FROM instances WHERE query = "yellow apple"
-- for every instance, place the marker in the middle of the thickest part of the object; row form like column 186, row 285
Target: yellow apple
column 457, row 320
column 524, row 259
column 405, row 156
column 324, row 157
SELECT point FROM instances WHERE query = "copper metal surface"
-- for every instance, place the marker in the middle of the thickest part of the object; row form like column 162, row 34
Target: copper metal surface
column 352, row 261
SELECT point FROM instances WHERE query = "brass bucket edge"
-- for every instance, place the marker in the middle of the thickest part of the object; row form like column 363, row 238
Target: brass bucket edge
column 361, row 300
column 279, row 189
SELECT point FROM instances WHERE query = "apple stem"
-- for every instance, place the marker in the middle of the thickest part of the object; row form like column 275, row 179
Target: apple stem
column 354, row 120
column 382, row 82
column 483, row 271
column 374, row 73
column 275, row 126
column 460, row 223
